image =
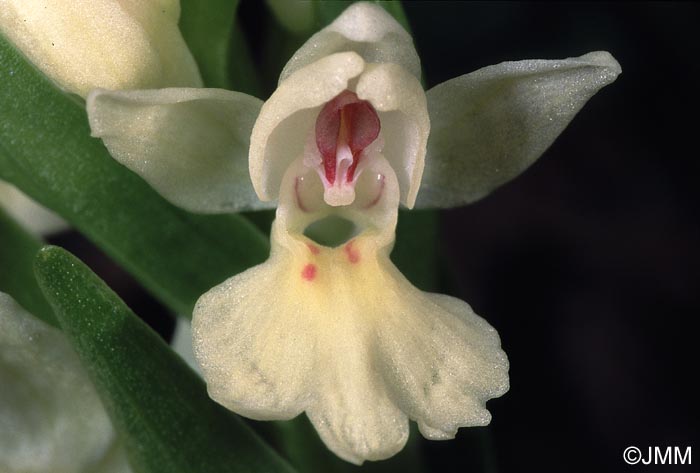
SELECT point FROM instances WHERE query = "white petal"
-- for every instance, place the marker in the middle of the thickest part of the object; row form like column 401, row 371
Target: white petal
column 399, row 98
column 490, row 125
column 254, row 344
column 32, row 216
column 366, row 29
column 51, row 419
column 191, row 145
column 114, row 44
column 442, row 361
column 354, row 412
column 286, row 118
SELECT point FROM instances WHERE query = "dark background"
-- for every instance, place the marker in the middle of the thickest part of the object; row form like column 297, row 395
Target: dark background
column 588, row 263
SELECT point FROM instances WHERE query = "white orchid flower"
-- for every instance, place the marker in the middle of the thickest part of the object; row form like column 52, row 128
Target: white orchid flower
column 338, row 332
column 51, row 418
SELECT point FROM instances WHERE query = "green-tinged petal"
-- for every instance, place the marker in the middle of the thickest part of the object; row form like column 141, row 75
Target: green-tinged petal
column 18, row 248
column 115, row 44
column 191, row 145
column 51, row 418
column 32, row 216
column 158, row 405
column 489, row 126
column 366, row 29
column 46, row 151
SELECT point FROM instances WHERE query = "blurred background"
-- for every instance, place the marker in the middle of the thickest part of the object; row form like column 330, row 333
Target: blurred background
column 587, row 264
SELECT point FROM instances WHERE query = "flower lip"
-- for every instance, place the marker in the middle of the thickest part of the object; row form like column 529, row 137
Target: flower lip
column 345, row 127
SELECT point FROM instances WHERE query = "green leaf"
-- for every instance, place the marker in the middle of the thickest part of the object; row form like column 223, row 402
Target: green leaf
column 321, row 13
column 156, row 402
column 17, row 252
column 415, row 250
column 213, row 35
column 46, row 150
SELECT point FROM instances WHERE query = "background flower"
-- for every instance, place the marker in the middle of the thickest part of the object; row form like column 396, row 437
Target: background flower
column 51, row 419
column 117, row 44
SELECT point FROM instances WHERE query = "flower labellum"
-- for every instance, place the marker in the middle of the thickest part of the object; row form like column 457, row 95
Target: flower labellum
column 335, row 330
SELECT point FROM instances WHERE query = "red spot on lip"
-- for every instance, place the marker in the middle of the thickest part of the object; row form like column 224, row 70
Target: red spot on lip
column 313, row 249
column 309, row 272
column 352, row 253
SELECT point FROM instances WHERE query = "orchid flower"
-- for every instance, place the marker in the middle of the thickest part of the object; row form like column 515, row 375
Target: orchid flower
column 51, row 418
column 349, row 134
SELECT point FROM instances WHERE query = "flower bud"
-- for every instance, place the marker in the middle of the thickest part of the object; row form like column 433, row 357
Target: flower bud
column 111, row 44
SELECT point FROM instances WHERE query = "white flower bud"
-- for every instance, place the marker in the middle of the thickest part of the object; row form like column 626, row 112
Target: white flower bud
column 112, row 44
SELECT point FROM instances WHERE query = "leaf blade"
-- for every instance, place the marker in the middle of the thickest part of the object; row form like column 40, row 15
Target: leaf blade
column 160, row 407
column 415, row 250
column 18, row 249
column 213, row 35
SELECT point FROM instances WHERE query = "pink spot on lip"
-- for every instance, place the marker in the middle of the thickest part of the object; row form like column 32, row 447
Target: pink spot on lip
column 313, row 249
column 309, row 272
column 352, row 253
